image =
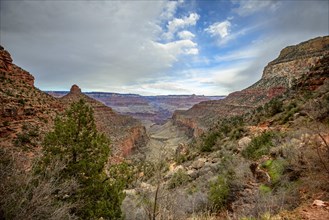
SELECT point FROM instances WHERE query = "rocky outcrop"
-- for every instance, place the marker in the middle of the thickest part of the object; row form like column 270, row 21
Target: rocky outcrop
column 126, row 133
column 11, row 71
column 288, row 70
column 26, row 113
column 75, row 90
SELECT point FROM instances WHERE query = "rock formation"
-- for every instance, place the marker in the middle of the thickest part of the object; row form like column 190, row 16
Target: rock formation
column 293, row 63
column 125, row 132
column 11, row 71
column 26, row 113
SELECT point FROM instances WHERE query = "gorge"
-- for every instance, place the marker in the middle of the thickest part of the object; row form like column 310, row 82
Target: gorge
column 259, row 152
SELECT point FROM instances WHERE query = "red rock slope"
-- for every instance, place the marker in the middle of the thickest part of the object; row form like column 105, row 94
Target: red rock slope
column 26, row 113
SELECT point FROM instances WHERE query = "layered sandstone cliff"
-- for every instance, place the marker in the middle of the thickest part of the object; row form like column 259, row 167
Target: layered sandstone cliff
column 126, row 133
column 280, row 75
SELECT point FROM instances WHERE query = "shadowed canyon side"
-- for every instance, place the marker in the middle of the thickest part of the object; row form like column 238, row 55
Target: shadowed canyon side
column 125, row 132
column 293, row 63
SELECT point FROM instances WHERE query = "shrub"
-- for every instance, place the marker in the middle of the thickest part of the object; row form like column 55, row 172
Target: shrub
column 275, row 169
column 209, row 142
column 273, row 107
column 264, row 189
column 6, row 123
column 22, row 101
column 259, row 146
column 237, row 133
column 219, row 192
column 179, row 178
column 22, row 139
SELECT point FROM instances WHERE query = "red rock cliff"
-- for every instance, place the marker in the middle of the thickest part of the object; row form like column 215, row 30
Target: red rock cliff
column 11, row 71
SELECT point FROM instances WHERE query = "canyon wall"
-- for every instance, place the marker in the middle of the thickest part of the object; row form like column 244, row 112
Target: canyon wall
column 280, row 75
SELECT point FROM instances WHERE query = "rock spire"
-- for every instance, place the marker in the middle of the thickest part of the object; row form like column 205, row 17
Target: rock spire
column 75, row 89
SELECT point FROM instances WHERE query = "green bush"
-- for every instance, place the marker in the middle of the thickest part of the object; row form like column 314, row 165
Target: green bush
column 259, row 146
column 273, row 107
column 237, row 133
column 179, row 178
column 22, row 139
column 219, row 192
column 275, row 169
column 209, row 141
column 263, row 189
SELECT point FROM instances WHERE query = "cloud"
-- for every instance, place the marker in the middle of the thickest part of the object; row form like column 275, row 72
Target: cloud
column 103, row 43
column 249, row 7
column 186, row 35
column 247, row 53
column 140, row 46
column 169, row 10
column 176, row 48
column 219, row 29
column 178, row 23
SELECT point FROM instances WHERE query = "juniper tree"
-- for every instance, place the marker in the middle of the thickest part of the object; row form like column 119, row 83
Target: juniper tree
column 76, row 141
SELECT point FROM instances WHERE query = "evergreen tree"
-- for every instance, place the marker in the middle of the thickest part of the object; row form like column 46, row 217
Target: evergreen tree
column 76, row 141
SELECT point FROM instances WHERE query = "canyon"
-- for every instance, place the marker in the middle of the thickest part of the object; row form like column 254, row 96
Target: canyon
column 148, row 109
column 186, row 148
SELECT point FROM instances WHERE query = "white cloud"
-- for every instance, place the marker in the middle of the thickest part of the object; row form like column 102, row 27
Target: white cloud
column 219, row 29
column 169, row 10
column 185, row 35
column 248, row 7
column 192, row 51
column 174, row 49
column 178, row 23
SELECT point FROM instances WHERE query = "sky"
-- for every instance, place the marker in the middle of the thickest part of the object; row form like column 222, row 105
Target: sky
column 155, row 47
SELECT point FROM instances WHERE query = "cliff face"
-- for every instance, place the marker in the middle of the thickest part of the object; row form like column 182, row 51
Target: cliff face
column 26, row 113
column 125, row 132
column 293, row 63
column 12, row 72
